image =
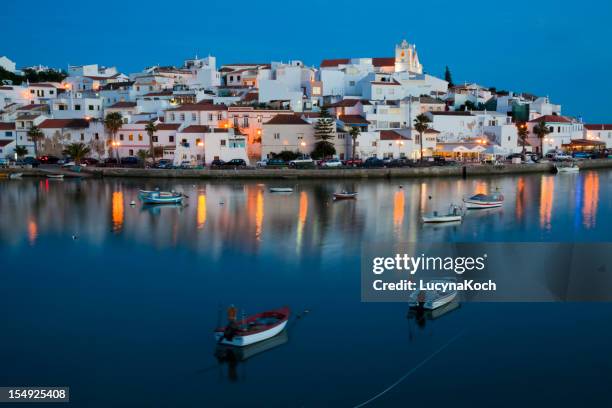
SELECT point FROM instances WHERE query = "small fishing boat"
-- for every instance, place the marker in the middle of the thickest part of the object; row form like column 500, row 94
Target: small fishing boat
column 454, row 214
column 253, row 329
column 15, row 175
column 345, row 195
column 162, row 197
column 568, row 169
column 55, row 176
column 281, row 190
column 480, row 201
column 432, row 299
column 224, row 353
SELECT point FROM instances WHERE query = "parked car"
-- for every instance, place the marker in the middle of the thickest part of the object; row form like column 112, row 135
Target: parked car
column 373, row 162
column 217, row 164
column 331, row 163
column 277, row 162
column 129, row 161
column 49, row 159
column 353, row 162
column 110, row 161
column 4, row 162
column 401, row 162
column 90, row 161
column 28, row 161
column 583, row 155
column 164, row 164
column 236, row 163
column 302, row 161
column 560, row 156
column 262, row 163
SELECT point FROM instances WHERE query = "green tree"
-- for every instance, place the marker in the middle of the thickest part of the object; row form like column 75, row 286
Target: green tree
column 36, row 135
column 323, row 132
column 448, row 77
column 541, row 131
column 151, row 129
column 142, row 156
column 77, row 151
column 421, row 124
column 113, row 123
column 21, row 151
column 354, row 132
column 523, row 132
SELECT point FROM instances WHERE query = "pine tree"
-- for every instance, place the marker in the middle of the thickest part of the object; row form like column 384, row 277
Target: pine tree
column 448, row 77
column 324, row 128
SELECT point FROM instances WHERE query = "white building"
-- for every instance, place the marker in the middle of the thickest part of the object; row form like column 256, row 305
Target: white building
column 600, row 133
column 7, row 139
column 562, row 131
column 58, row 133
column 287, row 132
column 198, row 144
column 7, row 64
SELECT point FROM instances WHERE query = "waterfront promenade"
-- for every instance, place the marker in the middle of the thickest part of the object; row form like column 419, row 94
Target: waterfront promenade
column 345, row 173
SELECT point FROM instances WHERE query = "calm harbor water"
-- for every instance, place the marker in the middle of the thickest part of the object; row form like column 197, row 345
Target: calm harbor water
column 119, row 302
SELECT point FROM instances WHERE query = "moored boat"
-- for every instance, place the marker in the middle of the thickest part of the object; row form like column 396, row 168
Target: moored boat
column 281, row 189
column 253, row 329
column 345, row 195
column 480, row 201
column 55, row 176
column 567, row 169
column 162, row 197
column 15, row 175
column 453, row 215
column 432, row 299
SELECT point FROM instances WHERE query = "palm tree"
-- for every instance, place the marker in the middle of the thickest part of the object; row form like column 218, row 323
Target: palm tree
column 523, row 132
column 36, row 135
column 354, row 132
column 151, row 129
column 77, row 151
column 541, row 130
column 142, row 157
column 113, row 123
column 421, row 124
column 21, row 151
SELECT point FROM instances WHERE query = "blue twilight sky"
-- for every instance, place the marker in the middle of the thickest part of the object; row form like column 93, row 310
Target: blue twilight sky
column 559, row 48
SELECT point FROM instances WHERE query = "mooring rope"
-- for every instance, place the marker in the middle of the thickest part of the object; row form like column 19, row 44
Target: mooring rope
column 412, row 371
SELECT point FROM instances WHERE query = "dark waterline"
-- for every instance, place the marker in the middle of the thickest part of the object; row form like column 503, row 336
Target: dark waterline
column 123, row 313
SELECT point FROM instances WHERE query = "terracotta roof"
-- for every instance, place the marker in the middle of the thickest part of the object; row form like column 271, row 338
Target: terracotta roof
column 196, row 129
column 344, row 103
column 452, row 113
column 383, row 62
column 286, row 120
column 585, row 142
column 64, row 124
column 167, row 92
column 7, row 125
column 6, row 142
column 120, row 105
column 33, row 106
column 199, row 107
column 551, row 119
column 334, row 62
column 43, row 85
column 598, row 127
column 392, row 135
column 354, row 120
column 251, row 97
column 168, row 126
column 385, row 83
column 311, row 114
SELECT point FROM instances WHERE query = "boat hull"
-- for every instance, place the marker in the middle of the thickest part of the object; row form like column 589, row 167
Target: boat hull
column 437, row 302
column 281, row 190
column 162, row 200
column 55, row 176
column 475, row 204
column 241, row 341
column 441, row 218
column 568, row 169
column 345, row 196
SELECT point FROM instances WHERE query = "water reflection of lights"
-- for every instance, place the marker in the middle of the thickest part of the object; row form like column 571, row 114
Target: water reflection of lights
column 398, row 208
column 259, row 214
column 547, row 190
column 302, row 214
column 32, row 231
column 201, row 213
column 590, row 199
column 117, row 210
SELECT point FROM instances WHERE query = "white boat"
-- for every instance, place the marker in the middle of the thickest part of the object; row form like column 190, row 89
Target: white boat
column 453, row 215
column 281, row 190
column 345, row 195
column 55, row 176
column 162, row 197
column 480, row 201
column 15, row 175
column 568, row 169
column 432, row 299
column 253, row 329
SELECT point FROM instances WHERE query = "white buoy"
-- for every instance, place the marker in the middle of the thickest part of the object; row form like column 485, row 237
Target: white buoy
column 132, row 203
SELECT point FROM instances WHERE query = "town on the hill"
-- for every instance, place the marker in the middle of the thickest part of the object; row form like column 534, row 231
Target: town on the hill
column 349, row 109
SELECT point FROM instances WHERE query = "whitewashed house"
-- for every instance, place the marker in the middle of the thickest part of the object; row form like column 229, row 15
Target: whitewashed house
column 599, row 132
column 562, row 131
column 287, row 132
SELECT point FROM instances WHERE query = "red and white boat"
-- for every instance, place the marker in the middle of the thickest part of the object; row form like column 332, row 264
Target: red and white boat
column 254, row 328
column 479, row 201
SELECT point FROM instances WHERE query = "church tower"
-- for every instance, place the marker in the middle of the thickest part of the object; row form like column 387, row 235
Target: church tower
column 407, row 59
